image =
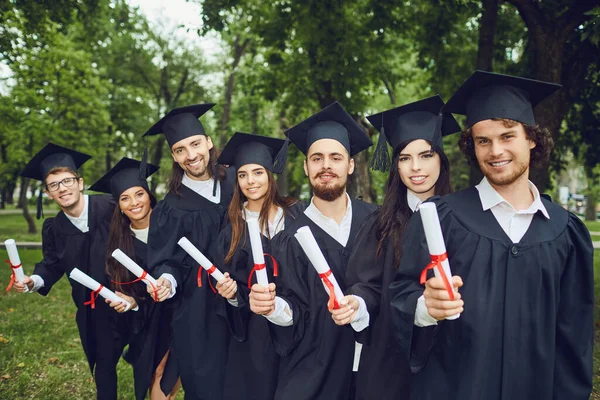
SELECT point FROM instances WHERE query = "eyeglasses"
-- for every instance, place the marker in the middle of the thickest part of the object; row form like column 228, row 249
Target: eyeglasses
column 67, row 182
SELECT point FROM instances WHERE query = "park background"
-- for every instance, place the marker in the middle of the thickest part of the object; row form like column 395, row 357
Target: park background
column 94, row 75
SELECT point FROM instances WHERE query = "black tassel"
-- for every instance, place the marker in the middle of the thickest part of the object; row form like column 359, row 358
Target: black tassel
column 381, row 159
column 144, row 165
column 40, row 212
column 214, row 168
column 281, row 157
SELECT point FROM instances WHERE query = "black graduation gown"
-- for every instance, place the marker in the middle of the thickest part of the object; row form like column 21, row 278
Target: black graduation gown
column 317, row 355
column 252, row 364
column 200, row 335
column 65, row 247
column 149, row 332
column 383, row 373
column 527, row 327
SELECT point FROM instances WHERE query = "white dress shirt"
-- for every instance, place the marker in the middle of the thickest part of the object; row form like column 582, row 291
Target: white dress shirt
column 140, row 234
column 514, row 223
column 80, row 223
column 203, row 188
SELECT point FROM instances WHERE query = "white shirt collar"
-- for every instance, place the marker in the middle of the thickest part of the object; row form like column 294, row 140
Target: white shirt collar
column 274, row 227
column 340, row 232
column 140, row 234
column 490, row 198
column 203, row 188
column 81, row 222
column 413, row 201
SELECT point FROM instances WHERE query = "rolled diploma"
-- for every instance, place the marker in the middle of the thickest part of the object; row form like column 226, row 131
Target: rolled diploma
column 13, row 256
column 133, row 267
column 315, row 256
column 93, row 285
column 199, row 257
column 435, row 240
column 257, row 251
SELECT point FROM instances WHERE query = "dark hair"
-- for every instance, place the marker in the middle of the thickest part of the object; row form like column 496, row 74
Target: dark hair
column 236, row 207
column 121, row 237
column 395, row 212
column 540, row 154
column 214, row 169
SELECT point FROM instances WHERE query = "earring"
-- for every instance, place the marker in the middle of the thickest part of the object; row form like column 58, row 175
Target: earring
column 122, row 212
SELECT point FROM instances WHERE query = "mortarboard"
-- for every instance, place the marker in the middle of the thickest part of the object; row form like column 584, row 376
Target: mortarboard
column 245, row 148
column 181, row 123
column 421, row 119
column 486, row 95
column 125, row 174
column 332, row 122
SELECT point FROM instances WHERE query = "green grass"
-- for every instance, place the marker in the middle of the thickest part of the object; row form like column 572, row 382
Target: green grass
column 14, row 226
column 593, row 226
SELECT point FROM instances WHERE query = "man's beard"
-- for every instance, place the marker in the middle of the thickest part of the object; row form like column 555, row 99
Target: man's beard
column 520, row 169
column 328, row 192
column 200, row 173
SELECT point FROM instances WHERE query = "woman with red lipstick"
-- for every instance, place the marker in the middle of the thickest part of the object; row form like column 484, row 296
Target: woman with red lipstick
column 149, row 328
column 252, row 362
column 419, row 170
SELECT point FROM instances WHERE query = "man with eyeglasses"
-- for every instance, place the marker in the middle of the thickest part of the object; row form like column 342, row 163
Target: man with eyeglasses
column 77, row 237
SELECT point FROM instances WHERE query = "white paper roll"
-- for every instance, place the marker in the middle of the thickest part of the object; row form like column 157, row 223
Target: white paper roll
column 90, row 283
column 257, row 251
column 132, row 266
column 199, row 257
column 435, row 240
column 13, row 256
column 315, row 256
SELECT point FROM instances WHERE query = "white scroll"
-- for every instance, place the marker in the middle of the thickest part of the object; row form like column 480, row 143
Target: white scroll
column 257, row 252
column 200, row 258
column 90, row 283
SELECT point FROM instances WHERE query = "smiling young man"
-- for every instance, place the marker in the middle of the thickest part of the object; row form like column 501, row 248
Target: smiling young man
column 317, row 355
column 523, row 266
column 194, row 207
column 77, row 237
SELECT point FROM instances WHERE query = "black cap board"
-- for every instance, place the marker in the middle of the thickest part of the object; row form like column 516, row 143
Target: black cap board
column 332, row 122
column 49, row 157
column 421, row 119
column 126, row 174
column 245, row 148
column 487, row 95
column 181, row 123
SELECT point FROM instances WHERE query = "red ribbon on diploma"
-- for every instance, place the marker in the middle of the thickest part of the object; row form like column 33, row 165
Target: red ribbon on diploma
column 210, row 271
column 436, row 262
column 12, row 277
column 258, row 267
column 141, row 278
column 332, row 304
column 93, row 296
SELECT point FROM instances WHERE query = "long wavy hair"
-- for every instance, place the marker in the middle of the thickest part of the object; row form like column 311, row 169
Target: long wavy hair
column 236, row 208
column 214, row 169
column 395, row 211
column 121, row 237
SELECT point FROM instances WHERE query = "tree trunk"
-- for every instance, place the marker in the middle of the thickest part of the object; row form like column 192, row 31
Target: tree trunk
column 590, row 206
column 156, row 157
column 31, row 228
column 359, row 183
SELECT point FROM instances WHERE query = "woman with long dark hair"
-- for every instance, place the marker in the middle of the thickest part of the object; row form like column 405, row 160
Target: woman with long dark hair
column 252, row 362
column 149, row 324
column 419, row 170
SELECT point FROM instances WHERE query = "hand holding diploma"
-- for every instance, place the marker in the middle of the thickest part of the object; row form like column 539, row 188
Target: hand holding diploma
column 164, row 289
column 315, row 256
column 262, row 299
column 227, row 288
column 439, row 303
column 96, row 288
column 15, row 263
column 347, row 311
column 138, row 271
column 121, row 306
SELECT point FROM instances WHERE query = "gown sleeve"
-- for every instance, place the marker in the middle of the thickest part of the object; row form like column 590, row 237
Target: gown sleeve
column 575, row 320
column 49, row 268
column 291, row 286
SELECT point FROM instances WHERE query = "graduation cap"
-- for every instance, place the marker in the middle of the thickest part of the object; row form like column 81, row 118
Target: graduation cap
column 332, row 122
column 126, row 174
column 49, row 157
column 245, row 148
column 486, row 95
column 181, row 123
column 421, row 119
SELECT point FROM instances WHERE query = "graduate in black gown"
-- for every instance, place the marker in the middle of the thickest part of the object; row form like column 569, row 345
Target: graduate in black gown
column 253, row 364
column 194, row 207
column 317, row 355
column 522, row 266
column 149, row 332
column 77, row 237
column 419, row 170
